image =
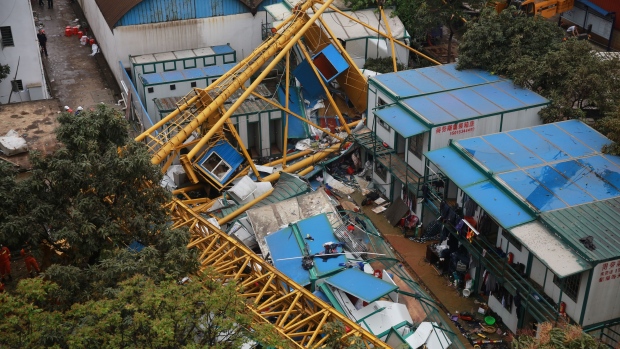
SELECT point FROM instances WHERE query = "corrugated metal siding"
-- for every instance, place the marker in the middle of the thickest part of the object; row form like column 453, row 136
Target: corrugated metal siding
column 600, row 219
column 611, row 6
column 157, row 11
column 152, row 11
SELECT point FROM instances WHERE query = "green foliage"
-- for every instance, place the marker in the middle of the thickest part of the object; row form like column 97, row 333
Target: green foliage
column 142, row 314
column 562, row 337
column 498, row 41
column 531, row 52
column 5, row 70
column 90, row 200
column 382, row 65
column 335, row 332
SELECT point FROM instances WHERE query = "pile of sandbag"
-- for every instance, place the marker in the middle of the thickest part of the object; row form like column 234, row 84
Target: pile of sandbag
column 12, row 144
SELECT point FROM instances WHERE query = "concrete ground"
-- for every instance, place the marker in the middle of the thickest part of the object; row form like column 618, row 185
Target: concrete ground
column 75, row 77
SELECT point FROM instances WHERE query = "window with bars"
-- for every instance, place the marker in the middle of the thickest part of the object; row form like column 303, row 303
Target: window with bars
column 17, row 85
column 569, row 285
column 7, row 36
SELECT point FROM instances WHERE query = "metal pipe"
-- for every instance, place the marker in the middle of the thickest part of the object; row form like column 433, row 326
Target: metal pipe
column 389, row 31
column 237, row 83
column 305, row 162
column 243, row 208
column 163, row 121
column 284, row 151
column 306, row 171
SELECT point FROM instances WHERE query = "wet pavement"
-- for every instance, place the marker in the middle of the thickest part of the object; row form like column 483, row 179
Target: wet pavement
column 74, row 76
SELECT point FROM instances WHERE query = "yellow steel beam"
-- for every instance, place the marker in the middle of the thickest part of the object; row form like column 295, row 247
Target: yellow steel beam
column 285, row 41
column 391, row 37
column 300, row 316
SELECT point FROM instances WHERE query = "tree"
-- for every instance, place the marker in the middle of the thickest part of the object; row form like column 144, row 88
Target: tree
column 563, row 336
column 141, row 314
column 5, row 70
column 91, row 199
column 421, row 16
column 498, row 41
column 532, row 52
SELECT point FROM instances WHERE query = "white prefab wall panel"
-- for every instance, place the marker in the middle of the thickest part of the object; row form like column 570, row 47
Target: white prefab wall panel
column 522, row 118
column 18, row 16
column 242, row 32
column 604, row 299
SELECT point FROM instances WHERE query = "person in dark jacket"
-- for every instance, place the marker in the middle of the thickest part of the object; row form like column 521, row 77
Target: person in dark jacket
column 42, row 41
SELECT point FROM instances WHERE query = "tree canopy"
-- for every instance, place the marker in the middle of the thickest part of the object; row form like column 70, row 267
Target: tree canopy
column 87, row 202
column 534, row 53
column 141, row 314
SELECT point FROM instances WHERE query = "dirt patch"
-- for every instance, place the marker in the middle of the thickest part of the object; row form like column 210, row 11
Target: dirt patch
column 15, row 116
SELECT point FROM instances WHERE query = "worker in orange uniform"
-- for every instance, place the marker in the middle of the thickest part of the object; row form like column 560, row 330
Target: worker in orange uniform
column 31, row 263
column 5, row 263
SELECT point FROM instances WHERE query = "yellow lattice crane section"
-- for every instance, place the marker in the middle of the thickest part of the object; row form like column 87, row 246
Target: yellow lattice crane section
column 296, row 313
column 203, row 117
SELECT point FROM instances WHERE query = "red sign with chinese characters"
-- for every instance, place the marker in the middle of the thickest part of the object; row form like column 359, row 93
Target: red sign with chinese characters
column 458, row 128
column 610, row 271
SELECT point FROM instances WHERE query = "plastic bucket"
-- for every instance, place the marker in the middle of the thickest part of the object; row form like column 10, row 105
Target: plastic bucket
column 466, row 292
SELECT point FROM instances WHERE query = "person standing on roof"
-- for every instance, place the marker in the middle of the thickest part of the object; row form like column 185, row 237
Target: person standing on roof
column 31, row 263
column 5, row 263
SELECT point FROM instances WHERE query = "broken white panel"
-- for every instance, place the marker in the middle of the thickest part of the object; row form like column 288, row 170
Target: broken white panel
column 242, row 189
column 219, row 203
column 13, row 144
column 246, row 236
column 261, row 188
column 338, row 185
column 213, row 221
column 265, row 169
column 177, row 174
column 428, row 334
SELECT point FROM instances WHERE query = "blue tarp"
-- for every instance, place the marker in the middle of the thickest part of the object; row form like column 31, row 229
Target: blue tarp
column 402, row 121
column 361, row 285
column 230, row 157
column 296, row 128
column 285, row 243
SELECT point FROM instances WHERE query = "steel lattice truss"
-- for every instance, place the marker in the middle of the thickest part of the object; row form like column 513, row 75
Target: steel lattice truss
column 296, row 313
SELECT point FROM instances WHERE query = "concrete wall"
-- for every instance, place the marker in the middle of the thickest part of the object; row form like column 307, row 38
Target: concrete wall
column 242, row 32
column 18, row 15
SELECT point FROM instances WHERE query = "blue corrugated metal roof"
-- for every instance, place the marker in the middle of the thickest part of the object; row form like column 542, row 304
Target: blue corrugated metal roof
column 296, row 128
column 156, row 11
column 402, row 121
column 551, row 166
column 228, row 154
column 170, row 76
column 416, row 82
column 505, row 209
column 222, row 49
column 186, row 74
column 361, row 285
column 285, row 243
column 594, row 7
column 472, row 102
